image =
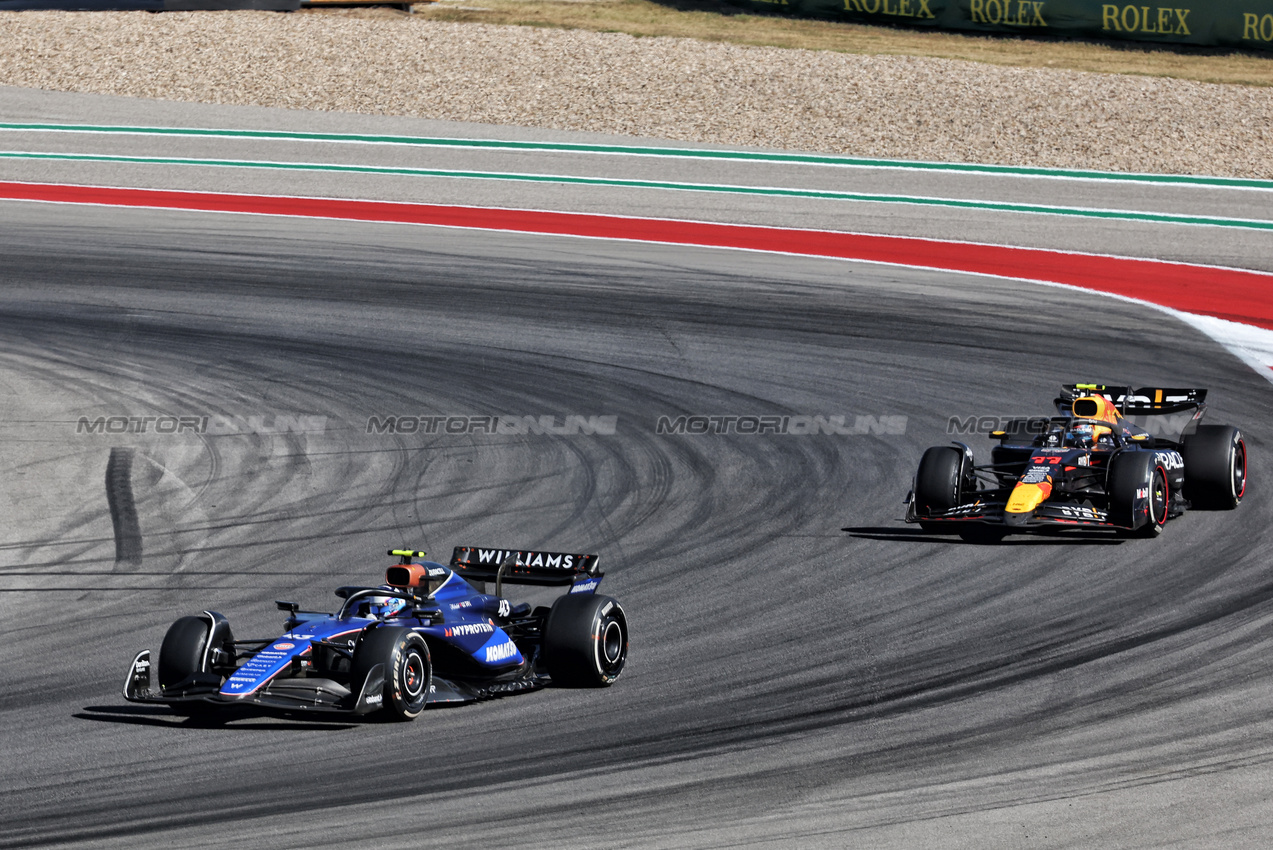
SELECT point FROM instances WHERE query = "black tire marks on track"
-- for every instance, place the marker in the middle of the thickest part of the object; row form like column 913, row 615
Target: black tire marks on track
column 778, row 660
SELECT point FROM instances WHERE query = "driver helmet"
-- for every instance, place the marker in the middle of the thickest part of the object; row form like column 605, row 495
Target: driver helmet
column 1085, row 435
column 380, row 607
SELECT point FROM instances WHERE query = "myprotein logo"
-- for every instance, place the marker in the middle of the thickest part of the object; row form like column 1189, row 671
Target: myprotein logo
column 569, row 425
column 757, row 425
column 469, row 629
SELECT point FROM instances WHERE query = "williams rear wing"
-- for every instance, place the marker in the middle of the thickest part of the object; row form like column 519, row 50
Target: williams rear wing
column 1144, row 401
column 523, row 566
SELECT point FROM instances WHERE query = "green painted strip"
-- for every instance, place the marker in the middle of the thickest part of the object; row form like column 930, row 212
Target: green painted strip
column 636, row 150
column 997, row 206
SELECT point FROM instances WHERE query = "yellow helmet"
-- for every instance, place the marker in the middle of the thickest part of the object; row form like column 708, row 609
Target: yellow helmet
column 1095, row 407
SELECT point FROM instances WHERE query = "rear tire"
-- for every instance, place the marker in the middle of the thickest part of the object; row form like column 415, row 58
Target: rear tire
column 1215, row 467
column 585, row 641
column 939, row 483
column 407, row 665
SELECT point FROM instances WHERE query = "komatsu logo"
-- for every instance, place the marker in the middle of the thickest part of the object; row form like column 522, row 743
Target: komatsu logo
column 501, row 652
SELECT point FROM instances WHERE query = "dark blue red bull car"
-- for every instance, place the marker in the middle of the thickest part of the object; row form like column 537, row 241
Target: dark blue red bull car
column 430, row 634
column 1115, row 458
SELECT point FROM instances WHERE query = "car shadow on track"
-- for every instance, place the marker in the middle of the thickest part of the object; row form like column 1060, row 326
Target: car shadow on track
column 243, row 719
column 1044, row 537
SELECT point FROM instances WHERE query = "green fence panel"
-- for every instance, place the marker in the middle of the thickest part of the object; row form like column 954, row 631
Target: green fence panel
column 1217, row 23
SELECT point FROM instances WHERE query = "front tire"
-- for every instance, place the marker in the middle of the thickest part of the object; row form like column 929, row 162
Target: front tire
column 184, row 651
column 585, row 641
column 1215, row 467
column 1159, row 499
column 940, row 484
column 1136, row 478
column 408, row 669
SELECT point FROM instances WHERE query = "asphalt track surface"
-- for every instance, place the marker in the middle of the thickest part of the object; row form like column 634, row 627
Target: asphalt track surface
column 805, row 669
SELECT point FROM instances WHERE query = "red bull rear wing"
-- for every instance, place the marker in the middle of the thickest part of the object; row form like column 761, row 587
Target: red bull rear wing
column 1136, row 400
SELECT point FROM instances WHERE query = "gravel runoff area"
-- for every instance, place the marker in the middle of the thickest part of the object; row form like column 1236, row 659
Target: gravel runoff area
column 872, row 106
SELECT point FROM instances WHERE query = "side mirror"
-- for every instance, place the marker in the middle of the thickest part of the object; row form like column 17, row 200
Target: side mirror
column 290, row 607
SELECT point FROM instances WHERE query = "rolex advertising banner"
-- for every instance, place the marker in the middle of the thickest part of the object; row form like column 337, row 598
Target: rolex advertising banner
column 1225, row 23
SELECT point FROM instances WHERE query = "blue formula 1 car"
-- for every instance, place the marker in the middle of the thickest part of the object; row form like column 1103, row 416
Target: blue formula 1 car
column 429, row 634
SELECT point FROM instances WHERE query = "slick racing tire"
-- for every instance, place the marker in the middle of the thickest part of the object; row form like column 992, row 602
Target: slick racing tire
column 1215, row 467
column 407, row 667
column 1136, row 478
column 183, row 651
column 585, row 641
column 939, row 484
column 190, row 647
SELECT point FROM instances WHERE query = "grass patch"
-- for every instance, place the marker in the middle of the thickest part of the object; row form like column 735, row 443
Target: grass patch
column 712, row 20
